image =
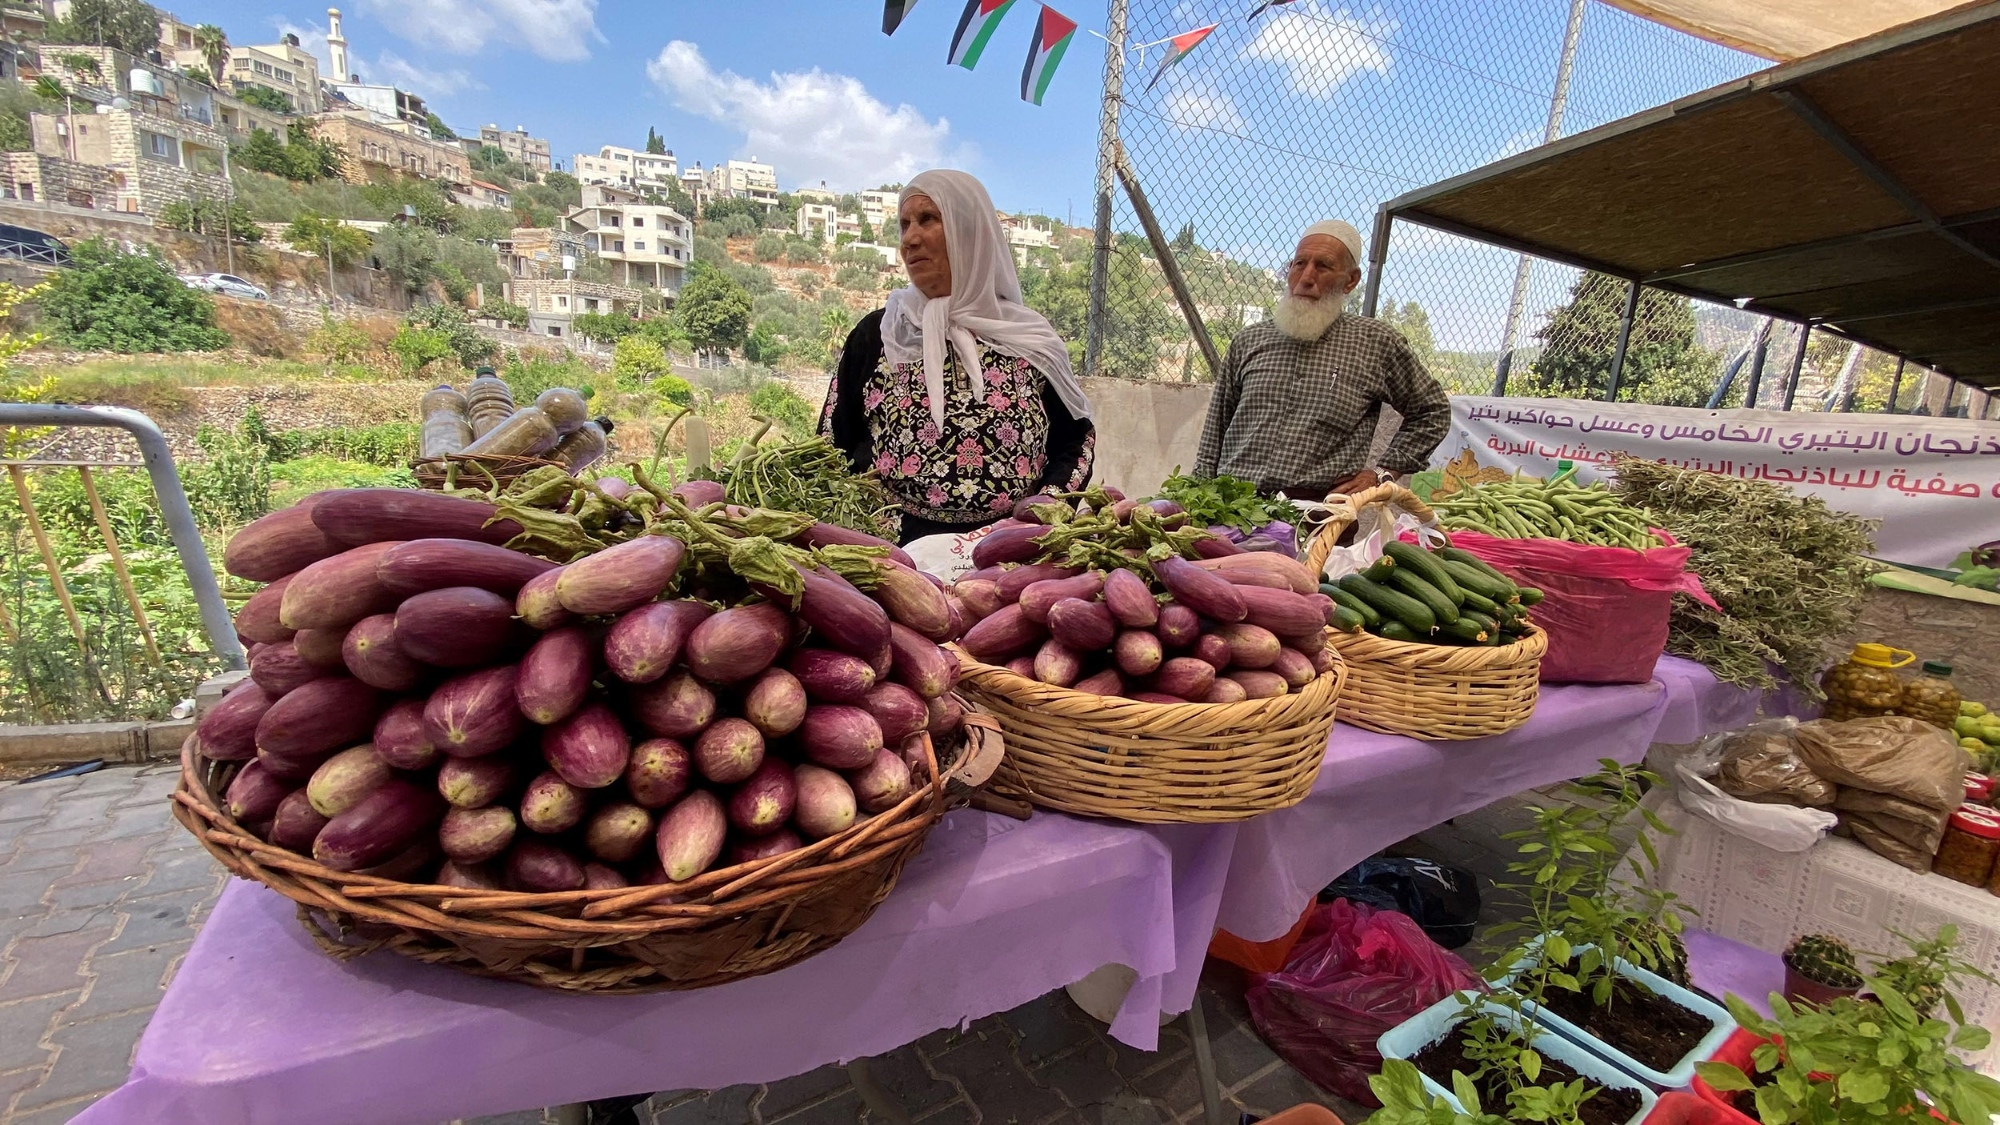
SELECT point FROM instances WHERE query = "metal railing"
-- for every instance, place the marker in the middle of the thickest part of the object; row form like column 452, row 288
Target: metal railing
column 38, row 253
column 217, row 623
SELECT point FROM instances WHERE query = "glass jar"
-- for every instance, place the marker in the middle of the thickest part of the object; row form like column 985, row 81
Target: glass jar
column 1971, row 841
column 1978, row 789
column 1931, row 697
column 1863, row 686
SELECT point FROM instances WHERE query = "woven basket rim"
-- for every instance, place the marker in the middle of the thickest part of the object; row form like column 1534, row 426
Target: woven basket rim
column 618, row 913
column 995, row 678
column 1532, row 644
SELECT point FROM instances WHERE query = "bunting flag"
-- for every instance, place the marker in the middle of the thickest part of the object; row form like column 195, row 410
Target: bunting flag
column 1183, row 43
column 1266, row 6
column 893, row 12
column 975, row 27
column 1052, row 35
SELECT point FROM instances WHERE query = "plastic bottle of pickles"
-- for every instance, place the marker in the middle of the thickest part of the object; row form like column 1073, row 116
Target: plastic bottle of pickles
column 583, row 446
column 490, row 402
column 1863, row 685
column 1931, row 697
column 447, row 429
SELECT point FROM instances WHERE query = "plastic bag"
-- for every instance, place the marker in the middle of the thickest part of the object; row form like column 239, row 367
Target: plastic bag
column 1892, row 754
column 1605, row 608
column 1761, row 763
column 1442, row 899
column 946, row 556
column 1781, row 828
column 1372, row 526
column 1357, row 973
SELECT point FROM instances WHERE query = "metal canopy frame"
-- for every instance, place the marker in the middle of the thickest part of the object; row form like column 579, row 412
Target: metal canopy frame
column 1923, row 231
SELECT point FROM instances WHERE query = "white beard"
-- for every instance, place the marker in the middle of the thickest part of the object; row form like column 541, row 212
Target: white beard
column 1306, row 319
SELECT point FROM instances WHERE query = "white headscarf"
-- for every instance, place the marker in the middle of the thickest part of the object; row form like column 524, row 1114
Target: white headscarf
column 984, row 305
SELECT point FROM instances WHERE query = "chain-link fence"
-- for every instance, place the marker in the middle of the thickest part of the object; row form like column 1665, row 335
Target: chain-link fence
column 1314, row 110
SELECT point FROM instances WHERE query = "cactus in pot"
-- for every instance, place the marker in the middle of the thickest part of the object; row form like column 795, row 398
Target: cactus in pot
column 1820, row 968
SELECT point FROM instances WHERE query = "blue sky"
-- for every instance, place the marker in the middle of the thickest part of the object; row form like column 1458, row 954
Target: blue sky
column 810, row 85
column 1320, row 108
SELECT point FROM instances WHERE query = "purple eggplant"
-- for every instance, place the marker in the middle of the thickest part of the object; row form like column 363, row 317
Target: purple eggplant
column 590, row 749
column 646, row 642
column 1207, row 594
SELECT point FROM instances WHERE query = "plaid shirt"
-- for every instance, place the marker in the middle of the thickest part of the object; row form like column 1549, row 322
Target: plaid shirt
column 1301, row 417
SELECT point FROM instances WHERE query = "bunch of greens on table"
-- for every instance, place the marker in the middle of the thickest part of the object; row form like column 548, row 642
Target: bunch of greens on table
column 1787, row 571
column 810, row 476
column 1226, row 501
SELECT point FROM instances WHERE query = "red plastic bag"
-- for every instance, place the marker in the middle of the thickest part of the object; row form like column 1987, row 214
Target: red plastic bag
column 1357, row 973
column 1605, row 608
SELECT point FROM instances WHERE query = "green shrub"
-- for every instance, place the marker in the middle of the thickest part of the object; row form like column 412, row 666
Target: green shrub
column 781, row 404
column 674, row 389
column 211, row 217
column 506, row 312
column 769, row 247
column 108, row 300
column 319, row 236
column 291, row 480
column 860, row 279
column 338, row 341
column 637, row 361
column 386, row 443
column 526, row 378
column 461, row 337
column 416, row 348
column 605, row 328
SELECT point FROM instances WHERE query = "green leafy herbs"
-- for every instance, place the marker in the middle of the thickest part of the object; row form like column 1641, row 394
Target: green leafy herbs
column 1873, row 1060
column 1226, row 501
column 1788, row 571
column 812, row 476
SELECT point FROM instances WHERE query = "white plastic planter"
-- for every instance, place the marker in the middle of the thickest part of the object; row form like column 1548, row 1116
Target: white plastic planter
column 1681, row 1073
column 1407, row 1039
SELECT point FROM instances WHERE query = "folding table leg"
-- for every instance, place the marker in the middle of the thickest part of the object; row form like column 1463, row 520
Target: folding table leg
column 880, row 1103
column 1204, row 1065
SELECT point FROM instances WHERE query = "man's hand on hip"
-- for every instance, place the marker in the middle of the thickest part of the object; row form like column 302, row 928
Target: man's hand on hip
column 1365, row 479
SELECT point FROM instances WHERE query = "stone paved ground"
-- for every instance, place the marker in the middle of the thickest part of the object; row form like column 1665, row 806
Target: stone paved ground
column 101, row 894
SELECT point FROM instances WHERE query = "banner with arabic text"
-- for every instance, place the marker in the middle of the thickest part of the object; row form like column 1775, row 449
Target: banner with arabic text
column 1933, row 482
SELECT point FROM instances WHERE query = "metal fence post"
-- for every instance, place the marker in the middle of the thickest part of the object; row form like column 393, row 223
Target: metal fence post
column 1756, row 381
column 1896, row 386
column 1798, row 364
column 1624, row 339
column 1565, row 64
column 1107, row 145
column 1378, row 260
column 215, row 617
column 1500, row 371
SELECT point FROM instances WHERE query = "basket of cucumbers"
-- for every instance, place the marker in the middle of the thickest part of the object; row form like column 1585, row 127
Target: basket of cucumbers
column 1439, row 645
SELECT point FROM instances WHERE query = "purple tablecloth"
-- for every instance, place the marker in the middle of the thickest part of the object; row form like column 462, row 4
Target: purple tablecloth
column 259, row 1026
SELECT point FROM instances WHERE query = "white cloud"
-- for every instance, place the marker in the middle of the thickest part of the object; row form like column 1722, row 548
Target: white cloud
column 393, row 70
column 559, row 30
column 1320, row 50
column 1518, row 143
column 1199, row 106
column 810, row 124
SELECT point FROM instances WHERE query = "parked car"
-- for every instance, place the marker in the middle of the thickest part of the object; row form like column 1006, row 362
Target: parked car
column 227, row 284
column 34, row 246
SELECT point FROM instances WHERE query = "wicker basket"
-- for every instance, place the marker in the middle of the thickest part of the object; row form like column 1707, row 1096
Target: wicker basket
column 473, row 470
column 1154, row 763
column 721, row 926
column 1440, row 693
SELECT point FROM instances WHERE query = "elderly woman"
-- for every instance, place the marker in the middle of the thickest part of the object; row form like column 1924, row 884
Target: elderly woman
column 958, row 395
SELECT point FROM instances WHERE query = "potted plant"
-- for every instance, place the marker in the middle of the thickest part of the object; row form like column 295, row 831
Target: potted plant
column 1819, row 968
column 1600, row 941
column 1408, row 1097
column 1854, row 1060
column 1921, row 974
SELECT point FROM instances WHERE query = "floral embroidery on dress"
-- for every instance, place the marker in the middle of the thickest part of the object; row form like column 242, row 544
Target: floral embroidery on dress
column 990, row 452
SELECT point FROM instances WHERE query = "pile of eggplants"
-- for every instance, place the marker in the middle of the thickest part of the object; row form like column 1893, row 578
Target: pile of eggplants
column 429, row 705
column 1101, row 594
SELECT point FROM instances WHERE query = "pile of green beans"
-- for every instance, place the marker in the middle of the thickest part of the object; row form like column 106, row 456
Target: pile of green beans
column 1558, row 508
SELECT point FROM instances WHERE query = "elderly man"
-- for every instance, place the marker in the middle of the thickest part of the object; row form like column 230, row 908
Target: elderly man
column 1295, row 407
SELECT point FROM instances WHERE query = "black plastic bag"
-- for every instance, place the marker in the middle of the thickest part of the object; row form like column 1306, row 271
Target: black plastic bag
column 1442, row 899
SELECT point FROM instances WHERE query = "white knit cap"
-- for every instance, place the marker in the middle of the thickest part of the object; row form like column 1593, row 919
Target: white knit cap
column 1343, row 233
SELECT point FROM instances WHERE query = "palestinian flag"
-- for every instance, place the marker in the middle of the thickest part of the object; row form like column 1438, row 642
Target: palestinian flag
column 893, row 12
column 1266, row 6
column 975, row 27
column 1045, row 52
column 1182, row 44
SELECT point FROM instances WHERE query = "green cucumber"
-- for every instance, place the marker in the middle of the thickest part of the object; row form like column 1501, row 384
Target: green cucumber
column 1349, row 621
column 1369, row 617
column 1530, row 596
column 1459, row 555
column 1411, row 583
column 1380, row 570
column 1486, row 621
column 1419, row 562
column 1414, row 615
column 1476, row 580
column 1465, row 629
column 1397, row 631
column 1478, row 602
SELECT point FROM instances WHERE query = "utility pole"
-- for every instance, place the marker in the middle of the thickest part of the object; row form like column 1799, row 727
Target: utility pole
column 1551, row 129
column 228, row 205
column 1107, row 144
column 332, row 293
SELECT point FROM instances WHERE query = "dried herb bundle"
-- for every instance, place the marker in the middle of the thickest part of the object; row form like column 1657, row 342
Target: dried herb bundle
column 810, row 476
column 1787, row 570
